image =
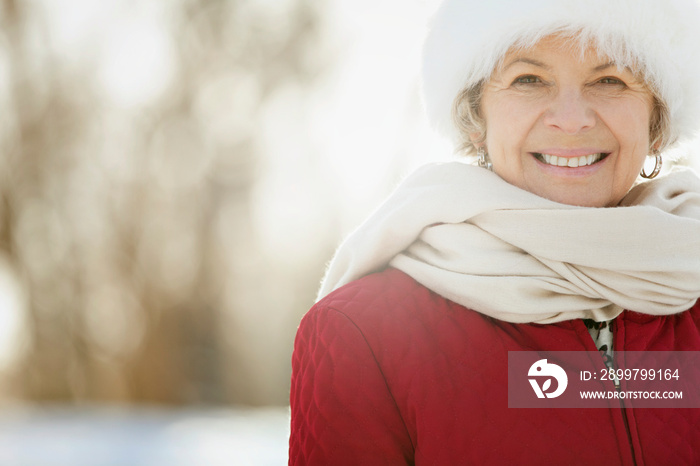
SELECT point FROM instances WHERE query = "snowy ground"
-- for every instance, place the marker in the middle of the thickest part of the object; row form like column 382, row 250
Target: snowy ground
column 147, row 436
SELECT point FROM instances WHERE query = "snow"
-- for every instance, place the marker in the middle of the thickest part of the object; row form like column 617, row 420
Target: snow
column 128, row 436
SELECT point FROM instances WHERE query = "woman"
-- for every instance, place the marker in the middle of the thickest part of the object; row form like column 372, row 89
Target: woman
column 551, row 245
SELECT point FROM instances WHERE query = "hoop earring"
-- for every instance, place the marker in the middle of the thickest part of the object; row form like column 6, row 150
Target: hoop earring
column 657, row 168
column 484, row 160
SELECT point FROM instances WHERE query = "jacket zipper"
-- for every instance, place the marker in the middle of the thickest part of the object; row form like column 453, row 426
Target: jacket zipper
column 623, row 409
column 618, row 388
column 616, row 383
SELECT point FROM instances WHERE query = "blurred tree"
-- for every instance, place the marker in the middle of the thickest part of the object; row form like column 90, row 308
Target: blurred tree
column 129, row 216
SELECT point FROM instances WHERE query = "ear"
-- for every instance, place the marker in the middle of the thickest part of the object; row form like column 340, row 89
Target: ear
column 475, row 137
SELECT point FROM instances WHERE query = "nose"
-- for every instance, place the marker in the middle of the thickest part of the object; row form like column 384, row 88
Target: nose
column 570, row 113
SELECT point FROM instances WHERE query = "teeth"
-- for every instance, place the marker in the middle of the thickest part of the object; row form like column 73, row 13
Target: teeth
column 572, row 162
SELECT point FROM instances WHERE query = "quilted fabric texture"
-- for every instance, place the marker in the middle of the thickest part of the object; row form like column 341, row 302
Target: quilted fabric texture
column 385, row 372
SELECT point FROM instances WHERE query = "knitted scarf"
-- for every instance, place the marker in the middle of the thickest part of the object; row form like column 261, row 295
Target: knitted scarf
column 473, row 238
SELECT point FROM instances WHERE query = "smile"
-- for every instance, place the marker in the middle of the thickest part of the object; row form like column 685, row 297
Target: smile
column 571, row 162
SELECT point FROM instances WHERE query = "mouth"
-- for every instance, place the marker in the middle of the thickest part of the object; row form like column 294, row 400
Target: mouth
column 570, row 162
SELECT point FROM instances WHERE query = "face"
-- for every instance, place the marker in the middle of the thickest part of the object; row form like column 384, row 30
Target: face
column 570, row 128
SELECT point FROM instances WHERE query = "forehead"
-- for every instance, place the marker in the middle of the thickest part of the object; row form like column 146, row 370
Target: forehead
column 572, row 48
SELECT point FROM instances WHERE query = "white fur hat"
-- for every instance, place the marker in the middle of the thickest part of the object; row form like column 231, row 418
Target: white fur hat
column 467, row 39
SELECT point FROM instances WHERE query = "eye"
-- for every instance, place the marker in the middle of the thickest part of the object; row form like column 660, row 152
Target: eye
column 610, row 80
column 527, row 79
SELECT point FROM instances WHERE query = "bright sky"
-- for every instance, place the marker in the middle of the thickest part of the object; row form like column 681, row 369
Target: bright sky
column 365, row 124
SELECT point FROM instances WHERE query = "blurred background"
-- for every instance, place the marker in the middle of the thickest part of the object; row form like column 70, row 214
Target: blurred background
column 175, row 175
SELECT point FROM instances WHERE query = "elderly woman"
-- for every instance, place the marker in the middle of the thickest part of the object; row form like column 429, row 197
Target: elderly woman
column 552, row 243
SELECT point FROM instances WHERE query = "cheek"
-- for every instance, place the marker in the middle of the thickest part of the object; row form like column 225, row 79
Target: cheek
column 631, row 129
column 507, row 125
column 632, row 121
column 628, row 120
column 635, row 139
column 637, row 123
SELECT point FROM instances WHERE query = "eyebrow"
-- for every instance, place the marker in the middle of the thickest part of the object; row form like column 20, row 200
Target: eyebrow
column 605, row 66
column 531, row 61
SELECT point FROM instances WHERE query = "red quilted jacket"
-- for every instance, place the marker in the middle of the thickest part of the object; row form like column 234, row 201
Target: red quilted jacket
column 386, row 372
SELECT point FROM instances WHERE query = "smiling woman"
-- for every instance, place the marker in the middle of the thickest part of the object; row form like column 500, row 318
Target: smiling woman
column 573, row 128
column 551, row 244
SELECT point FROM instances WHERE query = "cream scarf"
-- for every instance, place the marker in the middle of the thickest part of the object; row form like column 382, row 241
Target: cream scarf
column 471, row 237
